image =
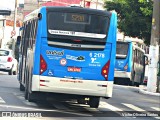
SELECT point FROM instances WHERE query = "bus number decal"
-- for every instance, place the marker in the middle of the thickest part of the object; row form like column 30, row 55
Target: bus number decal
column 97, row 55
column 79, row 18
column 54, row 52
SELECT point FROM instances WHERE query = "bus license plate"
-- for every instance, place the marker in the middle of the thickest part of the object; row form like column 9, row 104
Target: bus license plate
column 74, row 69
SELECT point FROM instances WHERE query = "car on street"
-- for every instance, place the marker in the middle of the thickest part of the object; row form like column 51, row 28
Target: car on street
column 7, row 61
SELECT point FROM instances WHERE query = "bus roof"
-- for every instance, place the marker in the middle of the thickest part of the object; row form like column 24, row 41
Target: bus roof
column 138, row 48
column 34, row 14
column 77, row 8
column 134, row 46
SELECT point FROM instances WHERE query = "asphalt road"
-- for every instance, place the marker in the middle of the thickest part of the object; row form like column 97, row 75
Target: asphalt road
column 126, row 102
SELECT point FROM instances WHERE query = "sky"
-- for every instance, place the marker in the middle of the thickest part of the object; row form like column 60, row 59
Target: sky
column 10, row 4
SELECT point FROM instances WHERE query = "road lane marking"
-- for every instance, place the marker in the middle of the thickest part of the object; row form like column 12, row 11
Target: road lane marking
column 104, row 106
column 134, row 107
column 108, row 106
column 155, row 108
column 1, row 100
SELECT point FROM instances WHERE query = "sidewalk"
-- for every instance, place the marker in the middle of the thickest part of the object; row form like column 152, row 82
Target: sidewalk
column 143, row 90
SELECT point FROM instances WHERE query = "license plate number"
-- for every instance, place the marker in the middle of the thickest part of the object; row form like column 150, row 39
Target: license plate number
column 74, row 69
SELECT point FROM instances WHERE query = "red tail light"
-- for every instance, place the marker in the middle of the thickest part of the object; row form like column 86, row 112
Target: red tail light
column 105, row 70
column 126, row 67
column 43, row 65
column 9, row 59
column 77, row 40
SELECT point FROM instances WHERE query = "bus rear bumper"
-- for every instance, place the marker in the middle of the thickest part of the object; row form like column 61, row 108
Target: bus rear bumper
column 122, row 74
column 72, row 86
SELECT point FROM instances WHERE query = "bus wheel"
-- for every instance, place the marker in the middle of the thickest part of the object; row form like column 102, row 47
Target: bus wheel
column 131, row 83
column 94, row 102
column 26, row 93
column 30, row 97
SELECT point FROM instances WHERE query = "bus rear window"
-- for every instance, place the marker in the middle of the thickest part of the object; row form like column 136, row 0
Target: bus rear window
column 121, row 50
column 77, row 24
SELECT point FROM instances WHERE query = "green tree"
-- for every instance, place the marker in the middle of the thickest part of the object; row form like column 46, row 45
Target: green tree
column 134, row 17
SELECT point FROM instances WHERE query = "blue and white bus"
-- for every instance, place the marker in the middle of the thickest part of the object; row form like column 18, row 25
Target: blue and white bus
column 130, row 64
column 68, row 50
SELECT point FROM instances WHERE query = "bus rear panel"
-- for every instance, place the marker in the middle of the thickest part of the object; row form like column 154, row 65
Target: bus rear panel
column 74, row 52
column 123, row 60
column 129, row 66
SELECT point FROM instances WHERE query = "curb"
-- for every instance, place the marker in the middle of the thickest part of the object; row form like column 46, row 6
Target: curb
column 143, row 90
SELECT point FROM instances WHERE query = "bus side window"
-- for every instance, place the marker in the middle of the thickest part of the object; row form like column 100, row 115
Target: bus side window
column 31, row 35
column 35, row 30
column 134, row 56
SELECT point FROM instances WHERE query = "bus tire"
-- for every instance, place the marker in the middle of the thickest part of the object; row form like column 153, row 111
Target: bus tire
column 142, row 77
column 22, row 88
column 26, row 85
column 28, row 96
column 131, row 83
column 26, row 93
column 94, row 102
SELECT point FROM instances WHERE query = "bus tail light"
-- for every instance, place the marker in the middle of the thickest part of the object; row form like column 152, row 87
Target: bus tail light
column 126, row 67
column 43, row 65
column 105, row 70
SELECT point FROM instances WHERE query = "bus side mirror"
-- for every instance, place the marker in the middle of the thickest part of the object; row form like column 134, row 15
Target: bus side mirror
column 18, row 40
column 39, row 16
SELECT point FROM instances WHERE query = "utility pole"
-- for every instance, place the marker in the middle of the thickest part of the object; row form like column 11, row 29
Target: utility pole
column 14, row 26
column 15, row 15
column 84, row 2
column 154, row 48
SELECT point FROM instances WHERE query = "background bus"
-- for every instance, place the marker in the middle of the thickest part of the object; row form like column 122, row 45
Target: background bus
column 68, row 50
column 129, row 66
